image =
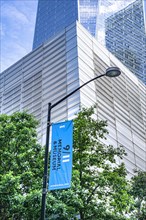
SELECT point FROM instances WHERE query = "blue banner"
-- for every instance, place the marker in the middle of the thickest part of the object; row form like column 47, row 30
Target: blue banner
column 61, row 155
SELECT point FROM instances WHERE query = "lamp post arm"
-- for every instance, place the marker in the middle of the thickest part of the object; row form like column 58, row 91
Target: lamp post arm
column 71, row 93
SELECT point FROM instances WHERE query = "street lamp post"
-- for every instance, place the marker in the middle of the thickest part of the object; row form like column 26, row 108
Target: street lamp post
column 110, row 72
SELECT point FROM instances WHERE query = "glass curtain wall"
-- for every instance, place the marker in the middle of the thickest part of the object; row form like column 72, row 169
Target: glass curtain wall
column 126, row 37
column 88, row 11
column 52, row 17
column 107, row 8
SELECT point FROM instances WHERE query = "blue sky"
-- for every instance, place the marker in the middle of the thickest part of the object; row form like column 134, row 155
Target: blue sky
column 17, row 22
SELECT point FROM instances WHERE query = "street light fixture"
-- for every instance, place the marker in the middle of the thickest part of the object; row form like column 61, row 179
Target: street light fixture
column 113, row 72
column 110, row 72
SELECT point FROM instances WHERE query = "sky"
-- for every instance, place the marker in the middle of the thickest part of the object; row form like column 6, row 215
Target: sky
column 17, row 23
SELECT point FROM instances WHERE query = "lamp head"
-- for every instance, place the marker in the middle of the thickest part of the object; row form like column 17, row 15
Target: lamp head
column 113, row 71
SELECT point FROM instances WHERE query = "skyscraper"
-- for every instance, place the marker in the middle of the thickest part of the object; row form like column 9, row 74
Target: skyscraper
column 123, row 22
column 54, row 15
column 126, row 37
column 107, row 8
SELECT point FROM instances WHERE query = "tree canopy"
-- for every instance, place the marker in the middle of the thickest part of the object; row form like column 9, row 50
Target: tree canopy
column 99, row 187
column 21, row 167
column 138, row 191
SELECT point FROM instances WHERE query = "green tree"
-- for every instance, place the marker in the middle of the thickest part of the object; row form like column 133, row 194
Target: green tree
column 21, row 170
column 138, row 191
column 99, row 186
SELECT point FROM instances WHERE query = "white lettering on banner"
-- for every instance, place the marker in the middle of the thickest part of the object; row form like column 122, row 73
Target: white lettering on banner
column 62, row 126
column 56, row 159
column 66, row 156
column 64, row 161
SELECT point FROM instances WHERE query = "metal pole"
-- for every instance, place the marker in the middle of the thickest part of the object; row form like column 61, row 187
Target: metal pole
column 45, row 177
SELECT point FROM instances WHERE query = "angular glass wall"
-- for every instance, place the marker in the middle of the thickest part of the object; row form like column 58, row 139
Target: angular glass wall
column 126, row 37
column 107, row 8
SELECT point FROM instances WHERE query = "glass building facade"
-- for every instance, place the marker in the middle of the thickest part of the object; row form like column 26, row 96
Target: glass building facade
column 126, row 37
column 118, row 25
column 106, row 8
column 54, row 15
column 58, row 67
column 88, row 11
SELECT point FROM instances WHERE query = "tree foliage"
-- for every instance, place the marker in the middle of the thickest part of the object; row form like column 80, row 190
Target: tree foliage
column 21, row 167
column 138, row 191
column 99, row 188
